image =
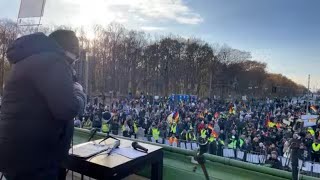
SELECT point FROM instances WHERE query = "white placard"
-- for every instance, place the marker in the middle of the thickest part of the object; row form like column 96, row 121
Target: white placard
column 244, row 98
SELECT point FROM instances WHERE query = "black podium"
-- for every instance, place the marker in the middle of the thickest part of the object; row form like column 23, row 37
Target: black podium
column 116, row 166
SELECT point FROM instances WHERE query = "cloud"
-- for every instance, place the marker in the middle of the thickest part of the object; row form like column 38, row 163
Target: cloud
column 172, row 10
column 132, row 12
column 152, row 28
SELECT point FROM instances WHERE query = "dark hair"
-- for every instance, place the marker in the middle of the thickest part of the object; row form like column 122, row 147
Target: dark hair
column 67, row 40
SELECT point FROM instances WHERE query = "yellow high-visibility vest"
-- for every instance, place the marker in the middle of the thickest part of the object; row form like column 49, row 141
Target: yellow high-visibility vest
column 123, row 128
column 105, row 127
column 211, row 139
column 271, row 124
column 233, row 144
column 311, row 131
column 203, row 133
column 315, row 147
column 87, row 124
column 135, row 128
column 241, row 142
column 174, row 128
column 155, row 133
column 190, row 136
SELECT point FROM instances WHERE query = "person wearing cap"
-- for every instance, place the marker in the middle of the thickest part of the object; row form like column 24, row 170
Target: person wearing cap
column 39, row 103
column 232, row 143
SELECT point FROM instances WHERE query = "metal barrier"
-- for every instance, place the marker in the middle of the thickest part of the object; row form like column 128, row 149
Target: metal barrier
column 305, row 167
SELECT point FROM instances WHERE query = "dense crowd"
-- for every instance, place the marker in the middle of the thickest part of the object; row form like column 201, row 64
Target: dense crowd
column 261, row 126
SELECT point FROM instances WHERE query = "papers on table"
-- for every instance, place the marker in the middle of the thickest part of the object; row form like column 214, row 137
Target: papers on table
column 129, row 152
column 88, row 150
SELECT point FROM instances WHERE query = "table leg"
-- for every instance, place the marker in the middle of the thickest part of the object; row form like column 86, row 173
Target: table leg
column 157, row 169
column 62, row 174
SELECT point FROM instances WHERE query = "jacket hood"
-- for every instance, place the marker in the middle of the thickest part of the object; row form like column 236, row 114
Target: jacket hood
column 29, row 45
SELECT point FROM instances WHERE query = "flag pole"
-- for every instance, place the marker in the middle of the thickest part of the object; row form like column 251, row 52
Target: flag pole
column 307, row 109
column 42, row 10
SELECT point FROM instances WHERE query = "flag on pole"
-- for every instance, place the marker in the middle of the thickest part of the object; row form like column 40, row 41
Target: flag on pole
column 176, row 117
column 314, row 109
column 213, row 133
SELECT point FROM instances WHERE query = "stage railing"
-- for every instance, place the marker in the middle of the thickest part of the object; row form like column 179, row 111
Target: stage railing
column 306, row 167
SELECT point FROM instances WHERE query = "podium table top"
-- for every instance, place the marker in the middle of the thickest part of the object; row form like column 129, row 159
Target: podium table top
column 115, row 166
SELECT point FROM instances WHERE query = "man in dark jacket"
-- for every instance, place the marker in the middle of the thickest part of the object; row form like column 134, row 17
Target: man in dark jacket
column 39, row 103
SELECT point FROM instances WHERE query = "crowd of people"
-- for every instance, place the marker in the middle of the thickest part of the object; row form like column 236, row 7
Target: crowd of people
column 260, row 126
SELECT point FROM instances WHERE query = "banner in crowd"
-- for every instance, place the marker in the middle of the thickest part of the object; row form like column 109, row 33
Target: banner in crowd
column 309, row 120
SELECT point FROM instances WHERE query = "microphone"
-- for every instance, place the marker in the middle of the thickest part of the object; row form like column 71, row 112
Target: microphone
column 116, row 144
column 138, row 147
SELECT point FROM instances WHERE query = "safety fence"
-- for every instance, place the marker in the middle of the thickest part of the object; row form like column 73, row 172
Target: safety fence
column 305, row 167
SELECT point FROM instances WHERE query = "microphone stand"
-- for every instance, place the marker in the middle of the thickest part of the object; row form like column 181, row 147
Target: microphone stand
column 199, row 157
column 107, row 137
column 295, row 160
column 93, row 132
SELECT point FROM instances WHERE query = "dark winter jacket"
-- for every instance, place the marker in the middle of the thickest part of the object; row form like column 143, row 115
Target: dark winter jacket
column 38, row 106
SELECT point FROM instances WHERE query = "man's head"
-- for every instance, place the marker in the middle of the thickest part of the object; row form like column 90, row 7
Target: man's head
column 69, row 42
column 233, row 132
column 274, row 155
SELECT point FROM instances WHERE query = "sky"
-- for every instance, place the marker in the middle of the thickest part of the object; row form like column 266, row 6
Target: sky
column 283, row 33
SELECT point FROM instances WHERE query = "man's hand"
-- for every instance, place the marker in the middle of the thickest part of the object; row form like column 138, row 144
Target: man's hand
column 81, row 97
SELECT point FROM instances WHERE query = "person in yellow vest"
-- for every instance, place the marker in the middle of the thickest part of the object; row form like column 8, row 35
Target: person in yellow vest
column 271, row 124
column 311, row 131
column 155, row 133
column 315, row 155
column 190, row 136
column 241, row 141
column 135, row 129
column 87, row 124
column 105, row 128
column 211, row 138
column 233, row 143
column 204, row 132
column 183, row 135
column 173, row 130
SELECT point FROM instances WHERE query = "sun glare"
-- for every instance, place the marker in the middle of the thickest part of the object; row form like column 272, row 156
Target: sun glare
column 93, row 13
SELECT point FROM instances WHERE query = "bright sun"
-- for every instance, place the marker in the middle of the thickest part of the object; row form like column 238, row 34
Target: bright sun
column 94, row 13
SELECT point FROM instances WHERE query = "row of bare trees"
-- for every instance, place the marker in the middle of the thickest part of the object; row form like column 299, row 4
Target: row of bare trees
column 123, row 61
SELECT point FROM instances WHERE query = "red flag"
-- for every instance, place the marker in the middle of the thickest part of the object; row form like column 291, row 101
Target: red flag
column 213, row 133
